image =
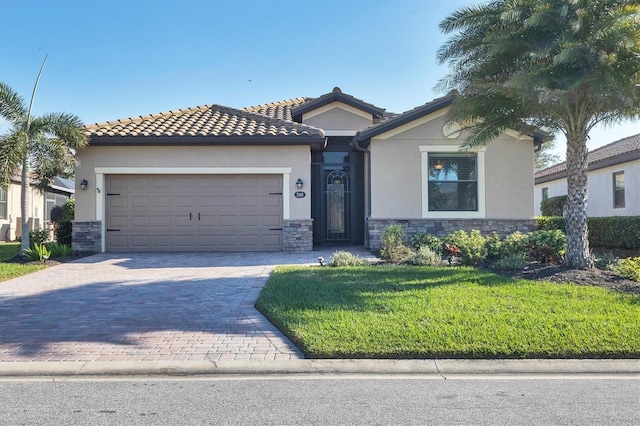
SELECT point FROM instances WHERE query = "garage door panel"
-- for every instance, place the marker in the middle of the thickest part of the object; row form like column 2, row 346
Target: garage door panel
column 212, row 213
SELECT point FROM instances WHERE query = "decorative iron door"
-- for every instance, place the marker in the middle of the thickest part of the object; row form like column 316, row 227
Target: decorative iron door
column 337, row 201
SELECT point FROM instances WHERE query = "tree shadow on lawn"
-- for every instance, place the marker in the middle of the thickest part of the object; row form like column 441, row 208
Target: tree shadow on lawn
column 115, row 312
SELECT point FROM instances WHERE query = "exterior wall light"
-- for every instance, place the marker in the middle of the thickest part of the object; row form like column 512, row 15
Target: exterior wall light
column 84, row 184
column 299, row 183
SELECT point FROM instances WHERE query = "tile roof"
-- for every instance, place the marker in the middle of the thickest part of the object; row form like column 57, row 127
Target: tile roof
column 280, row 109
column 336, row 95
column 207, row 121
column 614, row 153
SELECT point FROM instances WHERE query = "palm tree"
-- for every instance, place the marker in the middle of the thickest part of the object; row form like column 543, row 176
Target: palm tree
column 38, row 148
column 558, row 65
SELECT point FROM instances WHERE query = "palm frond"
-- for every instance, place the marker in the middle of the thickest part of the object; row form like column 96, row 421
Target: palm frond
column 12, row 107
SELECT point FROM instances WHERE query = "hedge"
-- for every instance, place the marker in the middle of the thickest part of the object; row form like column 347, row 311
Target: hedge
column 553, row 206
column 604, row 232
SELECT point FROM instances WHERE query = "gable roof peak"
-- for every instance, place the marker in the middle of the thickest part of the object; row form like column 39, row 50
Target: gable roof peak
column 336, row 95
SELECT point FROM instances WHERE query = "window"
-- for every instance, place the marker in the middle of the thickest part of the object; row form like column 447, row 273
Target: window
column 618, row 190
column 453, row 182
column 545, row 194
column 3, row 203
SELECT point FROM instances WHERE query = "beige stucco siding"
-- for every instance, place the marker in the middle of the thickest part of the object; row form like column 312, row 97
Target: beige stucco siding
column 242, row 159
column 398, row 190
column 509, row 178
column 9, row 225
column 338, row 116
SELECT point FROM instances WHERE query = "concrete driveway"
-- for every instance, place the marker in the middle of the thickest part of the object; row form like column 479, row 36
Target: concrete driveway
column 145, row 307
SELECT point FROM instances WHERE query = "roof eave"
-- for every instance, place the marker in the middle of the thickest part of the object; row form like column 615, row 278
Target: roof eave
column 596, row 165
column 297, row 112
column 314, row 141
column 404, row 118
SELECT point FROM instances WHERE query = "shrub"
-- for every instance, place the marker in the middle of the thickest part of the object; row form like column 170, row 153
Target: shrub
column 424, row 256
column 549, row 223
column 344, row 258
column 516, row 244
column 472, row 246
column 59, row 250
column 64, row 232
column 38, row 236
column 422, row 239
column 547, row 246
column 494, row 247
column 605, row 261
column 615, row 232
column 629, row 268
column 391, row 238
column 553, row 206
column 39, row 252
column 398, row 254
column 512, row 262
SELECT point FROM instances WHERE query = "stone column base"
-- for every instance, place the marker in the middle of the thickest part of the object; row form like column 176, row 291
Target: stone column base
column 298, row 235
column 86, row 236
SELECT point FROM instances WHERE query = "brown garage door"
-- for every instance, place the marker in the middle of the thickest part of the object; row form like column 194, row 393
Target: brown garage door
column 194, row 213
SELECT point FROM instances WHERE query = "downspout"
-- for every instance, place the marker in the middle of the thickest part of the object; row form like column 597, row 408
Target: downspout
column 360, row 148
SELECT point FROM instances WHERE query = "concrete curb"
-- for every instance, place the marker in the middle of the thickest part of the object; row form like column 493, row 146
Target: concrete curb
column 440, row 369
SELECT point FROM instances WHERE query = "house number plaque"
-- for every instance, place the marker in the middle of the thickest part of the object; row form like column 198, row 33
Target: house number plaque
column 300, row 194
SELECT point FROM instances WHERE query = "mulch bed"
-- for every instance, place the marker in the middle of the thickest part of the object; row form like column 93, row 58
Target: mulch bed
column 562, row 274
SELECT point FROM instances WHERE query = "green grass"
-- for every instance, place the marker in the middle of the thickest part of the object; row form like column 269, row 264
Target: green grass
column 427, row 312
column 12, row 270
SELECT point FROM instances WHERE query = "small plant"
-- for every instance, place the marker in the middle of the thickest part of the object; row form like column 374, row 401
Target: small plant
column 422, row 239
column 39, row 253
column 392, row 241
column 38, row 236
column 493, row 243
column 516, row 244
column 547, row 246
column 629, row 268
column 513, row 262
column 606, row 261
column 59, row 250
column 425, row 257
column 472, row 246
column 344, row 258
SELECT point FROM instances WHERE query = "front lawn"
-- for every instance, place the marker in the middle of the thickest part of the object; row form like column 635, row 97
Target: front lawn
column 10, row 270
column 454, row 312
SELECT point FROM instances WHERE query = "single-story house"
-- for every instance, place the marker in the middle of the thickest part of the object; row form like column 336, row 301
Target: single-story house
column 56, row 194
column 613, row 178
column 288, row 175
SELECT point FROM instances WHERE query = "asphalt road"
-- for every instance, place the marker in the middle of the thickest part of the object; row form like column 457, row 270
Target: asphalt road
column 319, row 400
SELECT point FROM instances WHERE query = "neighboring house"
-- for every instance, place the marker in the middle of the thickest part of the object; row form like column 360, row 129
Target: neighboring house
column 56, row 194
column 613, row 180
column 293, row 174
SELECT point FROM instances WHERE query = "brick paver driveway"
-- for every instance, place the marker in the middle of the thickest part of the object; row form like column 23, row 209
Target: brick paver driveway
column 145, row 307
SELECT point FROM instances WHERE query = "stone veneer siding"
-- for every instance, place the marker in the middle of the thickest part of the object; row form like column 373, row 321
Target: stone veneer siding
column 441, row 227
column 298, row 235
column 86, row 236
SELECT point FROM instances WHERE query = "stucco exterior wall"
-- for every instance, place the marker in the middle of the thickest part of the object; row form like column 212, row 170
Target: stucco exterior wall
column 249, row 158
column 9, row 226
column 338, row 116
column 600, row 187
column 398, row 184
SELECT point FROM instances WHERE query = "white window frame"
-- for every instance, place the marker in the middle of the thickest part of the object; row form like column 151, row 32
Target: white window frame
column 443, row 149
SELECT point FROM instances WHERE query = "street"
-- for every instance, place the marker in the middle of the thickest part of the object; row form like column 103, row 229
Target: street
column 319, row 400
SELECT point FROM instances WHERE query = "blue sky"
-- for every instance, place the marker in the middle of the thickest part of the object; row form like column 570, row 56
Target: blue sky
column 112, row 59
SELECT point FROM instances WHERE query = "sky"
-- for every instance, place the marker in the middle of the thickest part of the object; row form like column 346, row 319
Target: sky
column 114, row 59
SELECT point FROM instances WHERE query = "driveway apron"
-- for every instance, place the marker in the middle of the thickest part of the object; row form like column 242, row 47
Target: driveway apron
column 145, row 307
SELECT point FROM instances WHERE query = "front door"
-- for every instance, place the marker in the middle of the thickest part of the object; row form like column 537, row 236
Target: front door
column 337, row 202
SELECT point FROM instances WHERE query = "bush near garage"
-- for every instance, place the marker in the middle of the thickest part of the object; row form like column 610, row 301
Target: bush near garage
column 553, row 206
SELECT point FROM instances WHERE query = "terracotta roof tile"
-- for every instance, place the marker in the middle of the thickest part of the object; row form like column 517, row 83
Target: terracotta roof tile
column 202, row 121
column 597, row 156
column 280, row 109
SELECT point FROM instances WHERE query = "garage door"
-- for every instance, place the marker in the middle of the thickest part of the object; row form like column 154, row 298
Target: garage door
column 194, row 213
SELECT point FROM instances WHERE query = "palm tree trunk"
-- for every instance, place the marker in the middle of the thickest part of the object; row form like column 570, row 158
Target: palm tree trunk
column 578, row 254
column 25, row 204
